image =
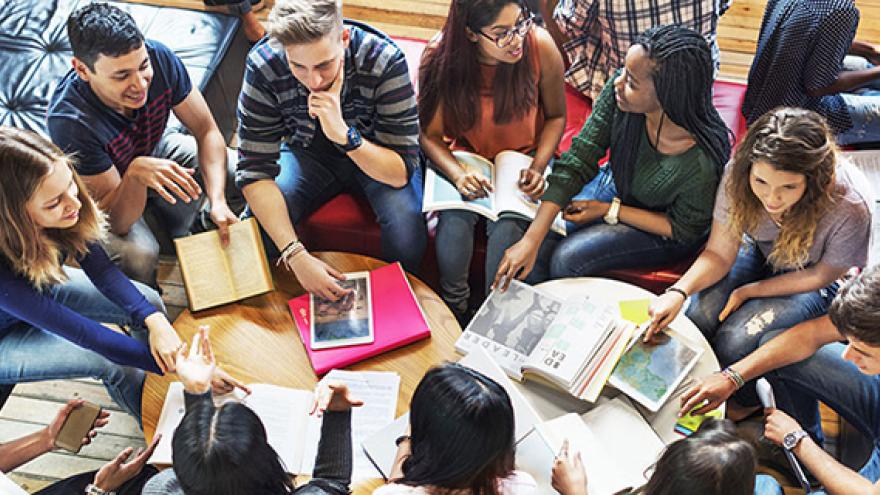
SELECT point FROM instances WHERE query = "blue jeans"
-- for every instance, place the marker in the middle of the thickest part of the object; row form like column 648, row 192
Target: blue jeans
column 598, row 247
column 455, row 248
column 308, row 180
column 827, row 377
column 743, row 330
column 28, row 353
column 863, row 105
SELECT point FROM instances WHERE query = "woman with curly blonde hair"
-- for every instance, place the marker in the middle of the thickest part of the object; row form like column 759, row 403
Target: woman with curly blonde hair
column 790, row 218
column 49, row 311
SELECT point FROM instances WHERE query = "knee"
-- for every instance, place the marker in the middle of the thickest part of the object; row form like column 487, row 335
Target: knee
column 733, row 342
column 569, row 260
column 152, row 297
column 139, row 260
column 703, row 316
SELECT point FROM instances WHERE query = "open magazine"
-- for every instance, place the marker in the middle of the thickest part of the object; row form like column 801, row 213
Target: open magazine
column 574, row 345
column 507, row 197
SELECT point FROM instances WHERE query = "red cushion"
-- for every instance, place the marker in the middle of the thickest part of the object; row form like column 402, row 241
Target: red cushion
column 347, row 222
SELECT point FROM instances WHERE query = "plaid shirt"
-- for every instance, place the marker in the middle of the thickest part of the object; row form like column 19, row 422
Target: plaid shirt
column 601, row 31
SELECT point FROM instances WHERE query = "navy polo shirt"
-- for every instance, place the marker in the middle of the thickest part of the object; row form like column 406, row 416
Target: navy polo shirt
column 102, row 137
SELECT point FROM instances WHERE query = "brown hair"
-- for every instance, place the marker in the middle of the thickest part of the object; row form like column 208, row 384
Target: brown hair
column 294, row 22
column 31, row 251
column 855, row 311
column 790, row 140
column 449, row 73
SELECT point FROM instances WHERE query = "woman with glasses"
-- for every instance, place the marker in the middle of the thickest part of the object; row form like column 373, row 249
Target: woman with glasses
column 491, row 81
column 651, row 204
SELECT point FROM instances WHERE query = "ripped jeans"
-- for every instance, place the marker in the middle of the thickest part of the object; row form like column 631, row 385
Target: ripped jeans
column 744, row 329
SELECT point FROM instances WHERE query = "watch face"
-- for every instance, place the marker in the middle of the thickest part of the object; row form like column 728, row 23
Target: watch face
column 790, row 440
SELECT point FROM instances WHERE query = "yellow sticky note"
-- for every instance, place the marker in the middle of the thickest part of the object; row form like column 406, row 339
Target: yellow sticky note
column 635, row 310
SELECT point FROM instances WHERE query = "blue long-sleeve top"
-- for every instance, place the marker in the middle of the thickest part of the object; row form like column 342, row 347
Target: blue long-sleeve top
column 20, row 301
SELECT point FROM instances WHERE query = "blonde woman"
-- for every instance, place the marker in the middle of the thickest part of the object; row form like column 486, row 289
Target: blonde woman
column 49, row 312
column 790, row 218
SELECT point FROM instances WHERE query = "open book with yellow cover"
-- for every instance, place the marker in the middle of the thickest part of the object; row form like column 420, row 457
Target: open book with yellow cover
column 440, row 194
column 214, row 275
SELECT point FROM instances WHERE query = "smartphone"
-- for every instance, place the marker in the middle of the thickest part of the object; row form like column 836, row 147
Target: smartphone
column 77, row 426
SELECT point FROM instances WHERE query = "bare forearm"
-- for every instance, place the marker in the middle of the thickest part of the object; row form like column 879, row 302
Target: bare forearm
column 837, row 478
column 848, row 80
column 543, row 220
column 863, row 49
column 548, row 141
column 795, row 282
column 789, row 347
column 437, row 151
column 125, row 205
column 649, row 221
column 23, row 450
column 707, row 270
column 268, row 205
column 212, row 161
column 380, row 163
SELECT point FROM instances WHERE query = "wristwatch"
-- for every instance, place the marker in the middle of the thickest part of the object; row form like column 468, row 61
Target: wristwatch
column 790, row 440
column 94, row 490
column 353, row 139
column 611, row 218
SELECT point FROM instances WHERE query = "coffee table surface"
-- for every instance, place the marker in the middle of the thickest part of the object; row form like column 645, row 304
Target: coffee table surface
column 256, row 340
column 612, row 291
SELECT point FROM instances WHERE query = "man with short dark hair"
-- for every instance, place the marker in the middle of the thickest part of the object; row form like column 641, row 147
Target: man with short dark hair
column 811, row 364
column 111, row 112
column 327, row 106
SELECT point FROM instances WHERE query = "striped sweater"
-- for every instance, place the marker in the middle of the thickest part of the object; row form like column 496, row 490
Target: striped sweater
column 377, row 98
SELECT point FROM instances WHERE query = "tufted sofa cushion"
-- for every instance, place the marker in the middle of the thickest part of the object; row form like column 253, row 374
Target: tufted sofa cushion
column 35, row 53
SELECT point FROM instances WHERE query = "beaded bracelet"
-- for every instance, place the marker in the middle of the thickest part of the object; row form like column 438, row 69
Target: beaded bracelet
column 676, row 290
column 734, row 376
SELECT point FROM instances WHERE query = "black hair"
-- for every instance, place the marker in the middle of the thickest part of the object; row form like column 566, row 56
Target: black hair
column 712, row 461
column 462, row 432
column 224, row 451
column 683, row 77
column 102, row 29
column 855, row 310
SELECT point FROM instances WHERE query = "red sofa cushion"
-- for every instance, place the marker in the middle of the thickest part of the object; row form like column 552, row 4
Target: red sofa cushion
column 347, row 222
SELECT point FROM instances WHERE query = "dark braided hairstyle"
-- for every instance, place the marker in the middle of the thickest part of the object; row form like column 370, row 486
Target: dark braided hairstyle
column 682, row 76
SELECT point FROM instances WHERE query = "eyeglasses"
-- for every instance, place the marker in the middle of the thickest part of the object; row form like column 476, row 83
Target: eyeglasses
column 520, row 29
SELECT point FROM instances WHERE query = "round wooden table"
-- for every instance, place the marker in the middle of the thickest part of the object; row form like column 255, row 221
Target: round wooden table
column 256, row 341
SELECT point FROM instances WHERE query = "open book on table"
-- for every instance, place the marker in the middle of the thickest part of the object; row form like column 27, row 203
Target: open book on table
column 214, row 275
column 573, row 344
column 291, row 430
column 616, row 444
column 440, row 194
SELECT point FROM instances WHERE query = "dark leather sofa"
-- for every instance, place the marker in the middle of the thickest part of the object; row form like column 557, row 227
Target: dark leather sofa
column 35, row 54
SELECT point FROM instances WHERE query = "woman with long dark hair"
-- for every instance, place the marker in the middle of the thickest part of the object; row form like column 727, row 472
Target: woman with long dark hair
column 790, row 219
column 461, row 438
column 667, row 147
column 490, row 82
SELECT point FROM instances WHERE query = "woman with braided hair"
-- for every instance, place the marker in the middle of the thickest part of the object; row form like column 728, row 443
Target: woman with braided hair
column 667, row 148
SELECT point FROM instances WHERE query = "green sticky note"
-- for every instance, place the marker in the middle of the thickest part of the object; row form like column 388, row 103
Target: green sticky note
column 635, row 310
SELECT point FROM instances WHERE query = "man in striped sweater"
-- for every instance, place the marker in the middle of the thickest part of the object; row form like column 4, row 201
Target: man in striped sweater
column 327, row 106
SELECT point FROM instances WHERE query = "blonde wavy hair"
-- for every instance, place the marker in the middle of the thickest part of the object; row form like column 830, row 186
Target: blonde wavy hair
column 791, row 140
column 32, row 251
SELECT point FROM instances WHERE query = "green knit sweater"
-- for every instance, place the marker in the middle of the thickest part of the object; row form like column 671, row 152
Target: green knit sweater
column 682, row 186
